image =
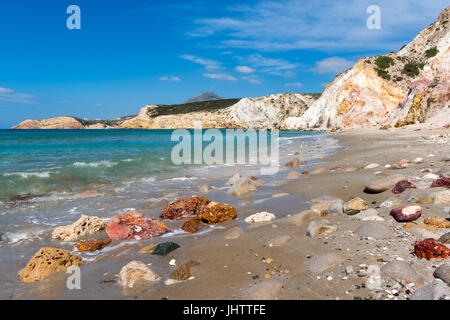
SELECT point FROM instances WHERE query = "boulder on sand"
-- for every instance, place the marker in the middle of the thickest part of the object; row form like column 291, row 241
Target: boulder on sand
column 184, row 208
column 319, row 227
column 402, row 186
column 436, row 290
column 406, row 213
column 431, row 249
column 46, row 262
column 217, row 212
column 134, row 226
column 400, row 270
column 383, row 184
column 443, row 272
column 84, row 226
column 354, row 205
column 374, row 229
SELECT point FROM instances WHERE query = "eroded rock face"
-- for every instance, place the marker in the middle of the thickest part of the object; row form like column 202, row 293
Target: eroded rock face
column 184, row 208
column 217, row 212
column 135, row 272
column 52, row 123
column 134, row 226
column 431, row 249
column 406, row 213
column 84, row 226
column 46, row 262
column 92, row 245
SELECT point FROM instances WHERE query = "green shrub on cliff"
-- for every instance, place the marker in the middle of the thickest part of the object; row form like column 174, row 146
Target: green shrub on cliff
column 431, row 52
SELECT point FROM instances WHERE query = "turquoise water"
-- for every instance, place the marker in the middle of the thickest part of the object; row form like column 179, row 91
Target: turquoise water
column 51, row 161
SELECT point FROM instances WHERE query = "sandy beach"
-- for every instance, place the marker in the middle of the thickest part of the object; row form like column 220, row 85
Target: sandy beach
column 288, row 258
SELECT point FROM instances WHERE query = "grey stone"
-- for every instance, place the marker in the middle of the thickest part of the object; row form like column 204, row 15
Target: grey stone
column 436, row 290
column 349, row 270
column 445, row 238
column 299, row 219
column 279, row 241
column 318, row 227
column 242, row 186
column 368, row 215
column 383, row 184
column 443, row 272
column 401, row 270
column 324, row 262
column 374, row 229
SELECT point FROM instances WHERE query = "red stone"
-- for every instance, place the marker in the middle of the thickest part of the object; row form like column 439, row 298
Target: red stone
column 406, row 213
column 402, row 186
column 134, row 226
column 430, row 249
column 184, row 208
column 443, row 182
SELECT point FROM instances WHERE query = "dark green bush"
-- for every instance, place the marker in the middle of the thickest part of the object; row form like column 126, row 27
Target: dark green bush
column 383, row 62
column 431, row 52
column 411, row 69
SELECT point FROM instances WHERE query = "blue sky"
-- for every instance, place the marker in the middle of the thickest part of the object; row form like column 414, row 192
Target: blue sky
column 132, row 53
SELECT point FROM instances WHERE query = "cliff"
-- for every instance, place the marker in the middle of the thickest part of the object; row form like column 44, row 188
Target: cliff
column 396, row 89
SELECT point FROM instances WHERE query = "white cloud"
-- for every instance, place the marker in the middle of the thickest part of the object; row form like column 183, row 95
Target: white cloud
column 244, row 69
column 10, row 95
column 219, row 76
column 293, row 84
column 252, row 79
column 171, row 79
column 207, row 63
column 322, row 24
column 332, row 65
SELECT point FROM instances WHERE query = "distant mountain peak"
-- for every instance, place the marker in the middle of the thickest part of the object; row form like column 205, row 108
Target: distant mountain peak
column 205, row 96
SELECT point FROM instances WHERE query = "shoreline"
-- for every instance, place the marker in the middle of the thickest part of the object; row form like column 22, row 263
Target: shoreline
column 227, row 263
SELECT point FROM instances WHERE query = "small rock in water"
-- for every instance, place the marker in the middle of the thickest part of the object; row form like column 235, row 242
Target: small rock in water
column 294, row 163
column 134, row 272
column 163, row 249
column 320, row 227
column 242, row 187
column 92, row 245
column 300, row 218
column 293, row 175
column 204, row 188
column 406, row 213
column 217, row 212
column 234, row 233
column 191, row 226
column 84, row 226
column 280, row 195
column 184, row 208
column 184, row 271
column 233, row 179
column 319, row 171
column 260, row 217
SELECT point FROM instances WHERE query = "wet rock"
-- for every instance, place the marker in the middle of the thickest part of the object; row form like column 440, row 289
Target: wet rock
column 242, row 187
column 441, row 197
column 325, row 261
column 319, row 227
column 431, row 249
column 257, row 182
column 191, row 226
column 234, row 233
column 233, row 179
column 327, row 205
column 280, row 195
column 437, row 222
column 265, row 290
column 84, row 226
column 216, row 212
column 184, row 208
column 293, row 175
column 294, row 163
column 260, row 217
column 436, row 290
column 163, row 249
column 354, row 205
column 279, row 241
column 300, row 218
column 445, row 238
column 368, row 215
column 204, row 188
column 402, row 186
column 374, row 229
column 443, row 182
column 134, row 226
column 46, row 262
column 406, row 213
column 391, row 202
column 92, row 245
column 401, row 270
column 25, row 197
column 383, row 184
column 372, row 166
column 148, row 249
column 184, row 271
column 443, row 272
column 135, row 272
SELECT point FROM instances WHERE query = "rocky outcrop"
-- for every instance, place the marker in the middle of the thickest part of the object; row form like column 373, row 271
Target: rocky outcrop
column 397, row 89
column 46, row 262
column 52, row 123
column 84, row 226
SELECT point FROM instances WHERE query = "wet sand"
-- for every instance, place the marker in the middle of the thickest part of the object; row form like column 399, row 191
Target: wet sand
column 230, row 267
